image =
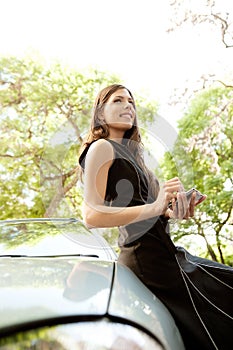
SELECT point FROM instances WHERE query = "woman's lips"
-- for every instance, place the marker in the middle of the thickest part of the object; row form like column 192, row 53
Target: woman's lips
column 127, row 115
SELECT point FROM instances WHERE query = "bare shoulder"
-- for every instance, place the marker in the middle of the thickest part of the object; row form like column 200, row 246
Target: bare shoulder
column 100, row 146
column 100, row 150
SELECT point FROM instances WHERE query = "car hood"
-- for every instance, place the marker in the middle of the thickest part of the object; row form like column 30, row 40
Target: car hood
column 33, row 289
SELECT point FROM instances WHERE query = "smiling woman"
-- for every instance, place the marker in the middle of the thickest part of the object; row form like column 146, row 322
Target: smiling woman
column 120, row 191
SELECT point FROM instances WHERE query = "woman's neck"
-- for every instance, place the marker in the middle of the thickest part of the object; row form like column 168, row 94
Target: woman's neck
column 118, row 140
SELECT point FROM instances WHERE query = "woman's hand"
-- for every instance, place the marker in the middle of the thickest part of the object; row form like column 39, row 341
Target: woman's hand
column 180, row 208
column 168, row 194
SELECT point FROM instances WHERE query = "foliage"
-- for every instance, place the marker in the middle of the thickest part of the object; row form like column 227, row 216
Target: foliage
column 45, row 111
column 39, row 163
column 202, row 158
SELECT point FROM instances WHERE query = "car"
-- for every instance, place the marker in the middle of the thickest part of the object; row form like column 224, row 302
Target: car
column 62, row 287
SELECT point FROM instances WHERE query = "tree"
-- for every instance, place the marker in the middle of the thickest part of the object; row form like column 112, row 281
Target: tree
column 203, row 158
column 35, row 101
column 196, row 18
column 213, row 13
column 45, row 112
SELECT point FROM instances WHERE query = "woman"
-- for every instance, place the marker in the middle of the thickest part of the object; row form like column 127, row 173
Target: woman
column 120, row 191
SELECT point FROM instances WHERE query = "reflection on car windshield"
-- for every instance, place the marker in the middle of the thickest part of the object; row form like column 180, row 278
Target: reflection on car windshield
column 104, row 336
column 62, row 237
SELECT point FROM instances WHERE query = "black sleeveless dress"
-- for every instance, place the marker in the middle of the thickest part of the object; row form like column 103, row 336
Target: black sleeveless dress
column 198, row 292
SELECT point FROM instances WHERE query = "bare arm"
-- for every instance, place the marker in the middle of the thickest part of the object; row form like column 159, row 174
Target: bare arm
column 98, row 161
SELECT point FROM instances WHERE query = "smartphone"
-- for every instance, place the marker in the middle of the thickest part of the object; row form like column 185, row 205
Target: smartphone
column 199, row 197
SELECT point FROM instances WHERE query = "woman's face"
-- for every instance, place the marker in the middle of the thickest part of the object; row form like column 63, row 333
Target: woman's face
column 119, row 113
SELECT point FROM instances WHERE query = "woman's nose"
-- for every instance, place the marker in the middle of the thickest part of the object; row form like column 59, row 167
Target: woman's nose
column 127, row 105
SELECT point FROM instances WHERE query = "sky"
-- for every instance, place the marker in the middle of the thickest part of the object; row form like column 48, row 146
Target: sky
column 125, row 37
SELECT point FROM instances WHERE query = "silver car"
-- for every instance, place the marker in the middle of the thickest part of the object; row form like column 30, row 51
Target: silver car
column 61, row 287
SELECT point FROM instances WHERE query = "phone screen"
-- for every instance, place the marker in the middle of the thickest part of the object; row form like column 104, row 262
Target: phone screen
column 199, row 197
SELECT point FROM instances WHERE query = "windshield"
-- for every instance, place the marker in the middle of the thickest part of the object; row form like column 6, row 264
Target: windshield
column 54, row 237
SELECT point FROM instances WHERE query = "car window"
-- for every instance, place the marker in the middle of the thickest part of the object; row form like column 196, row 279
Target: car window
column 51, row 238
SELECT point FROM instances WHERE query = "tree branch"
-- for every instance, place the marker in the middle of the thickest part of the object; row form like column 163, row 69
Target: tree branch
column 61, row 192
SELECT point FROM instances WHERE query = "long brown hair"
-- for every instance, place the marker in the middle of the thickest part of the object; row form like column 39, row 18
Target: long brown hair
column 132, row 137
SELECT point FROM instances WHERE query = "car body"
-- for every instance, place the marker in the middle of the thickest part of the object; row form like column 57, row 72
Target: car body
column 61, row 287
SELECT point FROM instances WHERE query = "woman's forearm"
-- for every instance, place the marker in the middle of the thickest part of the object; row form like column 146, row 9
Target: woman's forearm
column 103, row 216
